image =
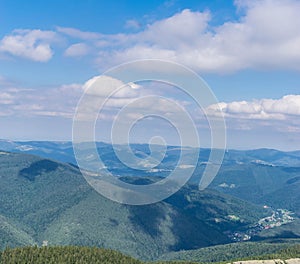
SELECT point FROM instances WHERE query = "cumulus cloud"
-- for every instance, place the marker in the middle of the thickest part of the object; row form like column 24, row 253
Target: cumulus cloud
column 177, row 30
column 30, row 44
column 266, row 36
column 107, row 86
column 110, row 96
column 261, row 120
column 278, row 109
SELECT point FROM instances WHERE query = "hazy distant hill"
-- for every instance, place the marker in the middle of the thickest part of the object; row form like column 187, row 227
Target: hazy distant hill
column 45, row 200
column 60, row 151
column 262, row 176
column 63, row 151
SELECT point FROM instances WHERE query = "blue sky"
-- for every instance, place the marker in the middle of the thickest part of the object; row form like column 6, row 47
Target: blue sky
column 247, row 51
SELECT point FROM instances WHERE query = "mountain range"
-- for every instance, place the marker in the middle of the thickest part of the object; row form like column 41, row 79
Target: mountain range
column 45, row 199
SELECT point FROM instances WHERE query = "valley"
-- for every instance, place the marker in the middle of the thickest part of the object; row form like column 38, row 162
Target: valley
column 278, row 218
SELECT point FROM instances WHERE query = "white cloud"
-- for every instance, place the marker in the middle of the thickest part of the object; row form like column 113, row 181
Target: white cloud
column 106, row 86
column 6, row 98
column 177, row 31
column 113, row 95
column 30, row 44
column 77, row 50
column 269, row 109
column 18, row 101
column 76, row 33
column 280, row 115
column 261, row 121
column 62, row 101
column 102, row 86
column 266, row 36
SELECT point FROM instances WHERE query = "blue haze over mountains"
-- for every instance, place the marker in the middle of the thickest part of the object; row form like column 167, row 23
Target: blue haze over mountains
column 256, row 175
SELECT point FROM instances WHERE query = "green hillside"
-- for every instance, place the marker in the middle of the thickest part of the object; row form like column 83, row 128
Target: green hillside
column 43, row 200
column 261, row 184
column 11, row 235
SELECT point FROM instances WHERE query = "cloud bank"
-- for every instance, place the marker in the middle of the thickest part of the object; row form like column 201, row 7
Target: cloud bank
column 62, row 101
column 265, row 36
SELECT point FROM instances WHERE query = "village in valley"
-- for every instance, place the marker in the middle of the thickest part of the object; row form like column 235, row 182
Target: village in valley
column 278, row 218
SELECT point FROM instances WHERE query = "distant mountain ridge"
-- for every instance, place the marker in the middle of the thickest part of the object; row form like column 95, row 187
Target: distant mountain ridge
column 257, row 176
column 63, row 151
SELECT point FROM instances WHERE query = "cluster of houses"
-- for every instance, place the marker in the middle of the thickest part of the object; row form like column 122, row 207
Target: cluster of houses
column 279, row 217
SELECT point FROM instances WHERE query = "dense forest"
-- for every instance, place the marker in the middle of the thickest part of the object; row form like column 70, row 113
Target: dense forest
column 238, row 251
column 64, row 254
column 88, row 255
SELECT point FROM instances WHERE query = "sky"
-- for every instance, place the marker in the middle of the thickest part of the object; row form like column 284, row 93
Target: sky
column 247, row 51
